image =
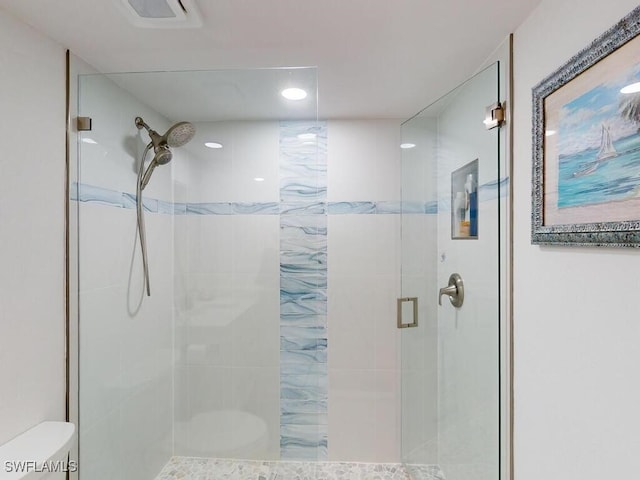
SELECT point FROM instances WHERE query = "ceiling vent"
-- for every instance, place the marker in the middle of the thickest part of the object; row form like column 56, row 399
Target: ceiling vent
column 161, row 13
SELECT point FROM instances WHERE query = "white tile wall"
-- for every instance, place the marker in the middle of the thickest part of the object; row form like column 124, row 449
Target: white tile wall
column 250, row 150
column 256, row 245
column 126, row 354
column 362, row 415
column 210, row 244
column 364, row 244
column 364, row 160
column 363, row 285
column 228, row 336
column 419, row 346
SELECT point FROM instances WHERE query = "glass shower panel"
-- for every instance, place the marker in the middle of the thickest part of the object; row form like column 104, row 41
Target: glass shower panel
column 214, row 362
column 125, row 343
column 450, row 224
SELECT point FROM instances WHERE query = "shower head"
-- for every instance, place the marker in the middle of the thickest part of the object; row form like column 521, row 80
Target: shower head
column 178, row 135
column 163, row 155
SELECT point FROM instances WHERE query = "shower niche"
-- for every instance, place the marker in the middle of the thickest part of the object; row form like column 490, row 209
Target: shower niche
column 464, row 202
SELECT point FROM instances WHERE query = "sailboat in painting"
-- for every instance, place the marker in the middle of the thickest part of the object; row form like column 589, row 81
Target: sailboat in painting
column 607, row 149
column 606, row 152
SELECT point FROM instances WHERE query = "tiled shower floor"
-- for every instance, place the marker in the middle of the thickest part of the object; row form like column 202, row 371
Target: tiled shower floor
column 187, row 468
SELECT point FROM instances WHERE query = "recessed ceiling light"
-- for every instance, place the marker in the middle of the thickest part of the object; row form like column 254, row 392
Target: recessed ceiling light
column 407, row 145
column 293, row 93
column 89, row 140
column 633, row 88
column 213, row 145
column 259, row 179
column 548, row 133
column 307, row 136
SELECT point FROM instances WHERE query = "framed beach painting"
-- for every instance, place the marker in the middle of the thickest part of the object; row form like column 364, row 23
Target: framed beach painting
column 586, row 145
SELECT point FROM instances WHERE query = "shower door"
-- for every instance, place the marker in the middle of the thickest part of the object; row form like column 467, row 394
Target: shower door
column 451, row 225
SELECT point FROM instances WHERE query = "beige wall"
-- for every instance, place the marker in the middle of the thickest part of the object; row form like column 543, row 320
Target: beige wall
column 32, row 109
column 576, row 324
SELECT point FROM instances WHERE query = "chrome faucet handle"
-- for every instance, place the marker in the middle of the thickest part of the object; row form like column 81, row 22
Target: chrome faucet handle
column 455, row 291
column 450, row 291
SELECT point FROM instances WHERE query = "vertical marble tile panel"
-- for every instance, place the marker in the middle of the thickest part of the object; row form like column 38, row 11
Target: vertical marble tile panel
column 303, row 291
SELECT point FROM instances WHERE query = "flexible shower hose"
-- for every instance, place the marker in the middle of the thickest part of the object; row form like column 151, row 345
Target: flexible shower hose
column 141, row 231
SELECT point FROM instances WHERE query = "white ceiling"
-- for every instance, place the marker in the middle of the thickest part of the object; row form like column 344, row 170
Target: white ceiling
column 220, row 95
column 375, row 58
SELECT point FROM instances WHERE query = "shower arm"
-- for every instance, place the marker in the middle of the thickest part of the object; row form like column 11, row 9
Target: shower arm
column 156, row 139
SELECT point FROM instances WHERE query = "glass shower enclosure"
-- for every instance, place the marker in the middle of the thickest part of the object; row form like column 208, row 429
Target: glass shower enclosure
column 228, row 358
column 451, row 232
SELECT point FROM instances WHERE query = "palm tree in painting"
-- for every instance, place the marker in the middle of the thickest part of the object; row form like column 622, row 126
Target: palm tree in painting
column 630, row 108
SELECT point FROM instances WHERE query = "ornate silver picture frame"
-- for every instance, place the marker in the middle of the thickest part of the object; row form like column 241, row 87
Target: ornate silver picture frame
column 586, row 145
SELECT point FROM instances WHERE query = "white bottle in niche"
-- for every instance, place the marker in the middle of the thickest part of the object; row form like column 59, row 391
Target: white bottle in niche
column 459, row 209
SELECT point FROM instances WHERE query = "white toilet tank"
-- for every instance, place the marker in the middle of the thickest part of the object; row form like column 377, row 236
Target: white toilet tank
column 40, row 453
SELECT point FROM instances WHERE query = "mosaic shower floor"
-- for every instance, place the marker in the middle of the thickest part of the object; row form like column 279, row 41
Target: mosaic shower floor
column 187, row 468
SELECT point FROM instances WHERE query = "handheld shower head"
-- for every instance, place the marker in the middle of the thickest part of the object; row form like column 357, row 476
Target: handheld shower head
column 163, row 155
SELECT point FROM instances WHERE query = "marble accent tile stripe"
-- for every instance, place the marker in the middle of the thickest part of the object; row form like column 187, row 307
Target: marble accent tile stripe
column 310, row 405
column 104, row 196
column 179, row 208
column 378, row 208
column 493, row 190
column 303, row 291
column 303, row 208
column 303, row 441
column 305, row 380
column 302, row 357
column 209, row 209
column 302, row 320
column 89, row 193
column 290, row 418
column 301, row 205
column 317, row 369
column 351, row 207
column 302, row 343
column 167, row 208
column 267, row 208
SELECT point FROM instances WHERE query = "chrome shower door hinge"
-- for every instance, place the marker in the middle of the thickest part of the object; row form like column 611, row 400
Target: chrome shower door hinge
column 494, row 115
column 83, row 124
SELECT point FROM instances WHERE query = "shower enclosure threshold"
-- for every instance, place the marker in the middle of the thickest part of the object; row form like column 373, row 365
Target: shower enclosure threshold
column 192, row 468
